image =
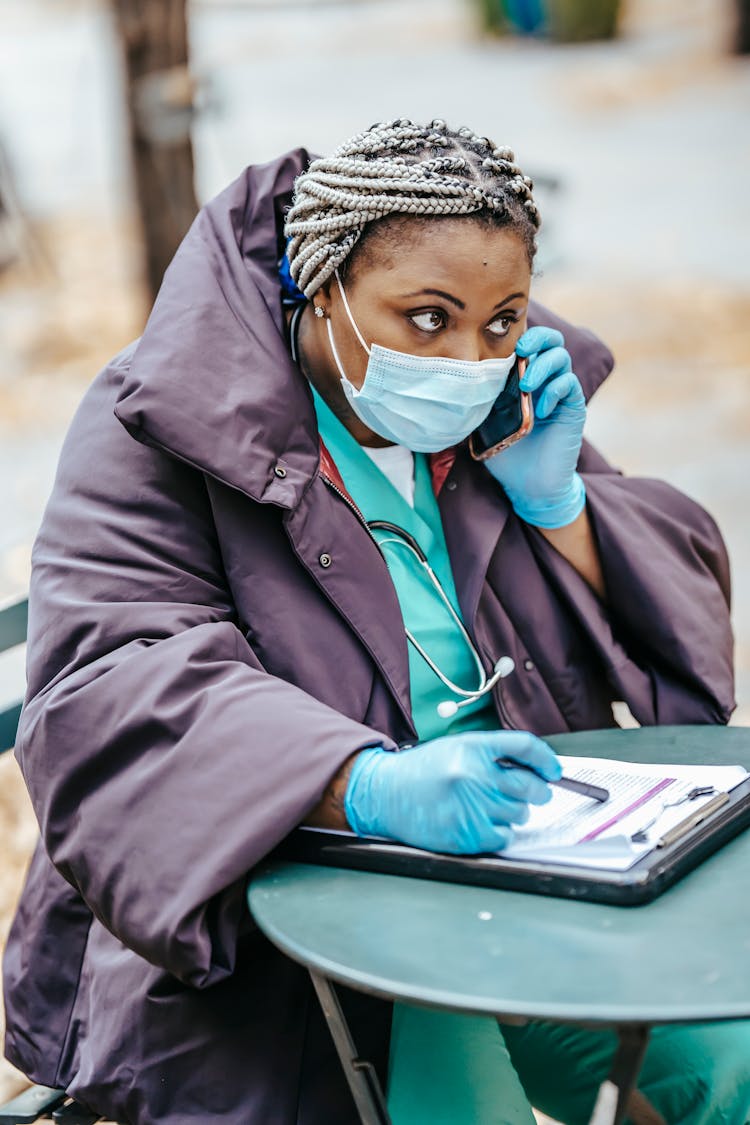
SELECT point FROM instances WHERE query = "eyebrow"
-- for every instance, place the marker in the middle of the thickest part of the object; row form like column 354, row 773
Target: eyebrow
column 512, row 297
column 437, row 293
column 455, row 301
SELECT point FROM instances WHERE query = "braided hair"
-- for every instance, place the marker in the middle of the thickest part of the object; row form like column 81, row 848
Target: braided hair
column 399, row 168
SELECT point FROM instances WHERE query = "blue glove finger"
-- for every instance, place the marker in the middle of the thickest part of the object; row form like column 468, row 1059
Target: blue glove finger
column 503, row 839
column 538, row 339
column 524, row 747
column 489, row 838
column 498, row 838
column 565, row 388
column 507, row 791
column 502, row 809
column 524, row 785
column 448, row 794
column 556, row 361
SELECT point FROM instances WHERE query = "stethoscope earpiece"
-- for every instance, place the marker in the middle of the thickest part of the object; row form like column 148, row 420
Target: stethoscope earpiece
column 449, row 707
column 504, row 666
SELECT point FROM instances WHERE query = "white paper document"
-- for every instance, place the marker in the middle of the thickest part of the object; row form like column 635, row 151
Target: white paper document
column 645, row 800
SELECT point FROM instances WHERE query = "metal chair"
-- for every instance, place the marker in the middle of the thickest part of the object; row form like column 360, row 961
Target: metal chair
column 37, row 1102
column 13, row 625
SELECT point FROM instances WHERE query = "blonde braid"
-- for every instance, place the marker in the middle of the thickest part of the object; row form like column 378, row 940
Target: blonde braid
column 399, row 168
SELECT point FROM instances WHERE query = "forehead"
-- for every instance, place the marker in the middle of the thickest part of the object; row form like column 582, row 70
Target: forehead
column 460, row 251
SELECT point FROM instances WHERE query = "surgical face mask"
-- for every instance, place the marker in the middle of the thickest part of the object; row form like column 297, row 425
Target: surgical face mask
column 426, row 403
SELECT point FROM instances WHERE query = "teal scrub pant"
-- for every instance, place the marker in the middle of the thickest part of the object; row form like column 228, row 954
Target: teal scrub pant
column 449, row 1069
column 694, row 1074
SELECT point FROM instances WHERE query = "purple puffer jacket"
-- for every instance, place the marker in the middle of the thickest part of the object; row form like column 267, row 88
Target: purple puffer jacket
column 196, row 675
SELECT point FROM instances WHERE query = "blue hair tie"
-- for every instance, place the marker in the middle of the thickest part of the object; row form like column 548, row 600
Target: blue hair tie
column 292, row 294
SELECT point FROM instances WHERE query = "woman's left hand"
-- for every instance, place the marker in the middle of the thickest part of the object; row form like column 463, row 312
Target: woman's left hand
column 538, row 472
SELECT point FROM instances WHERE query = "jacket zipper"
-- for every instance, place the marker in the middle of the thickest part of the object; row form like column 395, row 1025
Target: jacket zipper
column 349, row 503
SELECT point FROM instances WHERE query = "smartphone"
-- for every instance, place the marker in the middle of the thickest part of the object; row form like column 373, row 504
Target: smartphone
column 511, row 418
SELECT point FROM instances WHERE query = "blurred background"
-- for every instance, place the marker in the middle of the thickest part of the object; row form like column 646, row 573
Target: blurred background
column 118, row 118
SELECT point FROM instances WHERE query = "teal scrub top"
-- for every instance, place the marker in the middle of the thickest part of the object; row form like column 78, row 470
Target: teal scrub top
column 474, row 1079
column 424, row 611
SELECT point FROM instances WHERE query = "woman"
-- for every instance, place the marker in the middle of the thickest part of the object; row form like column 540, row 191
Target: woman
column 218, row 651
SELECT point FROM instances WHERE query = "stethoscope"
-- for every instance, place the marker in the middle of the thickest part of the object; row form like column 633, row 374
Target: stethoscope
column 447, row 708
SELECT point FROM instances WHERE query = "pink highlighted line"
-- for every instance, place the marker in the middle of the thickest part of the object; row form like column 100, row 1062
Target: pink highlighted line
column 626, row 811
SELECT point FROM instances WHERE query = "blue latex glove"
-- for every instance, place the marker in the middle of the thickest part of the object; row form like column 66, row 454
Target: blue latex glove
column 538, row 473
column 447, row 794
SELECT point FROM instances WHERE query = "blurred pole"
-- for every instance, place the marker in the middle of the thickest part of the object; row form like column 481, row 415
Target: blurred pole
column 160, row 95
column 17, row 238
column 742, row 33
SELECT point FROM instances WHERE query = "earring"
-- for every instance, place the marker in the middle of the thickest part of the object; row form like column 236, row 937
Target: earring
column 319, row 310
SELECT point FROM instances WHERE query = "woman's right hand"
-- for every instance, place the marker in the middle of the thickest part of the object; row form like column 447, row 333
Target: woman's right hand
column 448, row 794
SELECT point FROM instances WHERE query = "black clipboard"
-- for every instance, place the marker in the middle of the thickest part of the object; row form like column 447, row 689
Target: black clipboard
column 641, row 883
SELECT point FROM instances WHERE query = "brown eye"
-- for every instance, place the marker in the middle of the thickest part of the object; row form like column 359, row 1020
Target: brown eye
column 500, row 326
column 430, row 321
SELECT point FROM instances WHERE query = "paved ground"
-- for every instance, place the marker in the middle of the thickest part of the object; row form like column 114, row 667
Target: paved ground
column 645, row 240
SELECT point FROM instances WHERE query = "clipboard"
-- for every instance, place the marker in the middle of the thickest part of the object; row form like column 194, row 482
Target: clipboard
column 644, row 881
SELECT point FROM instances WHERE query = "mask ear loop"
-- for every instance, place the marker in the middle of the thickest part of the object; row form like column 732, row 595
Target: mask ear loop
column 352, row 321
column 334, row 350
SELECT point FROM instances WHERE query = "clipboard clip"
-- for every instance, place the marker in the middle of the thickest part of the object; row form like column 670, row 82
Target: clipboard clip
column 695, row 818
column 640, row 836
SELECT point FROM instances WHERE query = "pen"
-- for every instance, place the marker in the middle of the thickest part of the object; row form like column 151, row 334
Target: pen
column 583, row 788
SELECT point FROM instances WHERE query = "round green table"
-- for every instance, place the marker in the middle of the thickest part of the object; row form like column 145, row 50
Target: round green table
column 680, row 958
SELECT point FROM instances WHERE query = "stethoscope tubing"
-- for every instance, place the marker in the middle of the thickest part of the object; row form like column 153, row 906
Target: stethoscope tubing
column 403, row 538
column 503, row 667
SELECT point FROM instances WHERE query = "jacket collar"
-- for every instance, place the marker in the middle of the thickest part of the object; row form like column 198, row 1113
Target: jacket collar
column 212, row 382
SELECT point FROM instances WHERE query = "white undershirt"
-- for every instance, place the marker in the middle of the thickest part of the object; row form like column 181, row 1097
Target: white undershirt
column 397, row 463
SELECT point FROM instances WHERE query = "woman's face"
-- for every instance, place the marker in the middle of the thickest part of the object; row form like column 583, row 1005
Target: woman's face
column 453, row 288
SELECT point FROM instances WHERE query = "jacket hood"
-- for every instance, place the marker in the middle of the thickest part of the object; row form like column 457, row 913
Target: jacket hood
column 212, row 381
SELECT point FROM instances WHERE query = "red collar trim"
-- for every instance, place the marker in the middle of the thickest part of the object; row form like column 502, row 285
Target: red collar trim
column 440, row 465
